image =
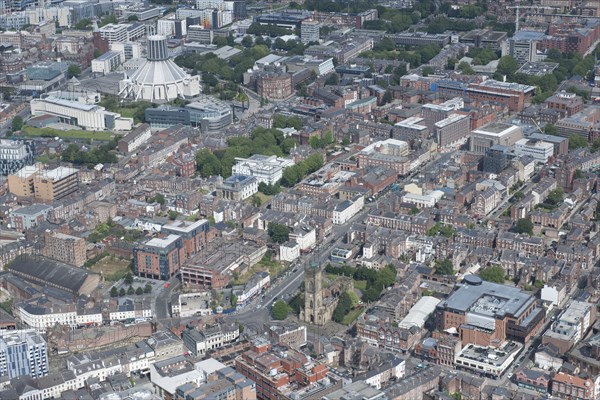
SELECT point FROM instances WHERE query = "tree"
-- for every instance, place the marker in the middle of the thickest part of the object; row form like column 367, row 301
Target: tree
column 247, row 41
column 387, row 97
column 280, row 310
column 555, row 196
column 344, row 305
column 519, row 195
column 371, row 294
column 130, row 290
column 122, row 292
column 158, row 198
column 128, row 278
column 147, row 288
column 17, row 123
column 577, row 142
column 114, row 292
column 492, row 274
column 132, row 18
column 207, row 163
column 256, row 201
column 444, row 267
column 427, row 71
column 139, row 290
column 332, row 80
column 268, row 189
column 551, row 129
column 73, row 70
column 524, row 225
column 507, row 66
column 465, row 68
column 172, row 215
column 279, row 233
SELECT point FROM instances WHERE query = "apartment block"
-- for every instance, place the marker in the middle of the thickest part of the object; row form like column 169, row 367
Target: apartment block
column 452, row 130
column 22, row 352
column 66, row 248
column 571, row 326
column 48, row 185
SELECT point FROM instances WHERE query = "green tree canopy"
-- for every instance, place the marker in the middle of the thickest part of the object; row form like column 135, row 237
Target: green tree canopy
column 278, row 233
column 280, row 310
column 555, row 196
column 444, row 267
column 74, row 70
column 17, row 123
column 492, row 274
column 114, row 292
column 508, row 66
column 551, row 129
column 524, row 225
column 577, row 142
column 344, row 305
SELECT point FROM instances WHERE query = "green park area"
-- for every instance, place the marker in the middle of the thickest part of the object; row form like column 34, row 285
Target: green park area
column 32, row 131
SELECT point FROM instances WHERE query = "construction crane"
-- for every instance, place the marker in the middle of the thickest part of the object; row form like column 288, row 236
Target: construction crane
column 518, row 12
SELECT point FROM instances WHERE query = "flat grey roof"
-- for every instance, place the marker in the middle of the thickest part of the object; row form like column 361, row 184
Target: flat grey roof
column 488, row 298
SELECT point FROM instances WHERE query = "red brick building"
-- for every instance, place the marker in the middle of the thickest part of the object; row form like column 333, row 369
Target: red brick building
column 275, row 373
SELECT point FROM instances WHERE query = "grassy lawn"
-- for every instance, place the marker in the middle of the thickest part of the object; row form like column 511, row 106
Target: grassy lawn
column 361, row 285
column 112, row 269
column 274, row 268
column 351, row 316
column 263, row 198
column 70, row 134
column 126, row 112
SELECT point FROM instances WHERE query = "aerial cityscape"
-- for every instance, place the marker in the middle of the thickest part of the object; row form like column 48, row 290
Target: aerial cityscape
column 299, row 200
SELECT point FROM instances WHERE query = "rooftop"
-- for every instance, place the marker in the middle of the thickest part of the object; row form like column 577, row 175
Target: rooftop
column 489, row 299
column 451, row 119
column 496, row 129
column 162, row 242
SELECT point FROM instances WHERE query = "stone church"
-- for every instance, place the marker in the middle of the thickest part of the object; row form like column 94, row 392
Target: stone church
column 320, row 301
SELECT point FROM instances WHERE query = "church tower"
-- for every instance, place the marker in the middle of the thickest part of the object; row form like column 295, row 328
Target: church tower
column 314, row 309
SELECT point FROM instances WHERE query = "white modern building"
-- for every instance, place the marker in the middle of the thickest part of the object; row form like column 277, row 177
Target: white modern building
column 347, row 209
column 423, row 200
column 305, row 236
column 39, row 316
column 186, row 305
column 419, row 313
column 107, row 62
column 309, row 31
column 494, row 133
column 128, row 50
column 289, row 251
column 159, row 79
column 121, row 32
column 22, row 352
column 487, row 361
column 252, row 288
column 539, row 150
column 86, row 116
column 267, row 169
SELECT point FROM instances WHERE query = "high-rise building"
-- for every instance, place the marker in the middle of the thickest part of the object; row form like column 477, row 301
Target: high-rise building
column 23, row 353
column 309, row 31
column 33, row 181
column 14, row 155
column 65, row 248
